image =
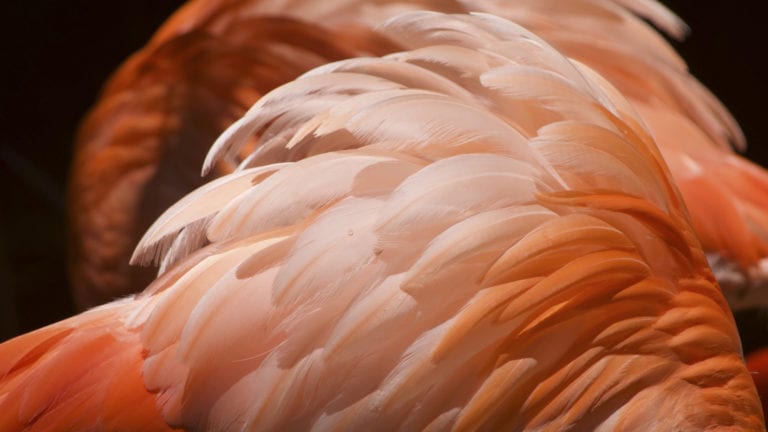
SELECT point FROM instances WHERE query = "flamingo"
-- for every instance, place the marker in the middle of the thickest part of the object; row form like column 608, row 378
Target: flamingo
column 473, row 232
column 141, row 147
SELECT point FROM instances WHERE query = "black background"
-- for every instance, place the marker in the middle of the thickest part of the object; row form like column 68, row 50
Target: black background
column 57, row 54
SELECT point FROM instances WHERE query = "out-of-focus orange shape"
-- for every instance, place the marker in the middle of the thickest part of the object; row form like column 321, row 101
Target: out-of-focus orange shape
column 141, row 148
column 473, row 233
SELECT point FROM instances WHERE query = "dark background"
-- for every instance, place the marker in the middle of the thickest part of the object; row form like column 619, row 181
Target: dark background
column 57, row 54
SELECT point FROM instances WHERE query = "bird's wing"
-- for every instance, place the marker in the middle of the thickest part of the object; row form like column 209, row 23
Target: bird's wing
column 511, row 255
column 693, row 129
column 142, row 146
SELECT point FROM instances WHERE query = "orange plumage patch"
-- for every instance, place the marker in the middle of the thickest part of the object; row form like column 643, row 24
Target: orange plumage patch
column 80, row 374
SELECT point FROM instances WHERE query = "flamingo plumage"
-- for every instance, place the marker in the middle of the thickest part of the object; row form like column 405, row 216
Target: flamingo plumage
column 474, row 232
column 141, row 148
